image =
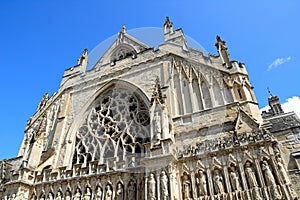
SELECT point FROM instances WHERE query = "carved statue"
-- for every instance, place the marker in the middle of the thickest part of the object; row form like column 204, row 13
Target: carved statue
column 119, row 192
column 235, row 179
column 164, row 186
column 50, row 196
column 98, row 195
column 68, row 195
column 269, row 178
column 88, row 194
column 168, row 26
column 108, row 195
column 58, row 196
column 77, row 195
column 186, row 185
column 250, row 175
column 44, row 100
column 282, row 171
column 152, row 187
column 131, row 190
column 201, row 182
column 218, row 182
column 157, row 127
column 141, row 186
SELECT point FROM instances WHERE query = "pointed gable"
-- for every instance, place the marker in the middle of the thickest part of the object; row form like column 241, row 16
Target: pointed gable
column 244, row 122
column 124, row 46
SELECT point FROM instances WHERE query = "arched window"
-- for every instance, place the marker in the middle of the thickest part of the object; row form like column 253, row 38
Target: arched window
column 116, row 124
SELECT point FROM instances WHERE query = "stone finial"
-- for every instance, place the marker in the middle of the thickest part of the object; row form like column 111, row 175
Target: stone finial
column 271, row 95
column 223, row 52
column 168, row 26
column 83, row 56
column 157, row 94
column 121, row 34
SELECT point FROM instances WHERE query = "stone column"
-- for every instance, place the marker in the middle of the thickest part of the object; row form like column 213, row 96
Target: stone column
column 158, row 184
column 192, row 96
column 146, row 186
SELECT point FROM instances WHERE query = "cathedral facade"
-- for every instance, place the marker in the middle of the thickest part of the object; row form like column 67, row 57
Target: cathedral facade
column 157, row 124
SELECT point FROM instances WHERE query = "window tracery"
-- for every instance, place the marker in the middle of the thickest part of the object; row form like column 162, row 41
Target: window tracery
column 116, row 125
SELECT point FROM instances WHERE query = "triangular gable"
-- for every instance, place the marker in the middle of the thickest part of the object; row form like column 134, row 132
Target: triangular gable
column 245, row 123
column 122, row 47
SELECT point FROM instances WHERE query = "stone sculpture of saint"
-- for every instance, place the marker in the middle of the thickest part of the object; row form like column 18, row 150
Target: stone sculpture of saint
column 68, row 195
column 270, row 180
column 152, row 187
column 282, row 171
column 88, row 194
column 98, row 195
column 250, row 175
column 77, row 195
column 164, row 186
column 218, row 182
column 119, row 192
column 157, row 127
column 50, row 196
column 186, row 185
column 201, row 182
column 58, row 196
column 235, row 180
column 131, row 190
column 108, row 195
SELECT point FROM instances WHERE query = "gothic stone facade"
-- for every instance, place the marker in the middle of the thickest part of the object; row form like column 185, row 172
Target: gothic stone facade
column 165, row 124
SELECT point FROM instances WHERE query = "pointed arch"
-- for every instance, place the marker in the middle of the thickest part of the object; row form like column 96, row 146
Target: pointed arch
column 112, row 123
column 206, row 93
column 218, row 101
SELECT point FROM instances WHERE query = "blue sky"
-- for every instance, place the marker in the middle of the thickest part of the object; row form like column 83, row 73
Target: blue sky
column 40, row 39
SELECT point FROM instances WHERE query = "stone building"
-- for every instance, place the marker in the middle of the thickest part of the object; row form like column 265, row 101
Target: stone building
column 158, row 124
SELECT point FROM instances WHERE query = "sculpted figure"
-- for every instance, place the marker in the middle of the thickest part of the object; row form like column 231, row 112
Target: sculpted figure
column 88, row 194
column 68, row 195
column 152, row 187
column 186, row 185
column 58, row 196
column 131, row 190
column 201, row 182
column 218, row 182
column 98, row 195
column 50, row 196
column 77, row 195
column 250, row 175
column 282, row 171
column 157, row 127
column 235, row 180
column 108, row 195
column 119, row 192
column 270, row 180
column 164, row 186
column 268, row 174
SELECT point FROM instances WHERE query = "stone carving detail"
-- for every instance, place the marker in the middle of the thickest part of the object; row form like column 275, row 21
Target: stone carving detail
column 250, row 175
column 109, row 193
column 201, row 181
column 113, row 127
column 164, row 182
column 270, row 180
column 218, row 182
column 235, row 179
column 218, row 144
column 98, row 195
column 152, row 187
column 186, row 186
column 131, row 190
column 119, row 192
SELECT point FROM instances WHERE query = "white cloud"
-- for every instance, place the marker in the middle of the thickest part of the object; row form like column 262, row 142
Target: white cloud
column 277, row 62
column 290, row 104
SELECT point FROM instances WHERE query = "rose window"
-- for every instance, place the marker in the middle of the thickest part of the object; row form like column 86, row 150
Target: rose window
column 116, row 125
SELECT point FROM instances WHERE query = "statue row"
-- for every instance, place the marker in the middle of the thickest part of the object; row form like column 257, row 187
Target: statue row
column 212, row 182
column 164, row 186
column 119, row 192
